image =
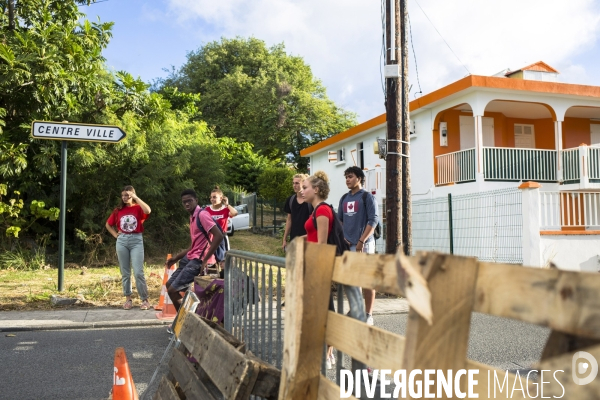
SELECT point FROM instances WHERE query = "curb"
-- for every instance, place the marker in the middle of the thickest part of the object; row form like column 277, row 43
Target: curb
column 86, row 325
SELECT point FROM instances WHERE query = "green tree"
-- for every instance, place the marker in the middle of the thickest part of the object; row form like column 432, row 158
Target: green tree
column 262, row 96
column 276, row 183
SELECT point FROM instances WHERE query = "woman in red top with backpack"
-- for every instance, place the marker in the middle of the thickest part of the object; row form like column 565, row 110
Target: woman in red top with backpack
column 221, row 211
column 315, row 190
column 128, row 219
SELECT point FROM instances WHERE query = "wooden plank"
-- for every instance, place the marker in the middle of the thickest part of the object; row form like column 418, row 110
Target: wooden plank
column 443, row 345
column 329, row 390
column 568, row 388
column 372, row 271
column 227, row 368
column 267, row 382
column 166, row 390
column 559, row 343
column 229, row 338
column 377, row 348
column 309, row 268
column 566, row 301
column 188, row 380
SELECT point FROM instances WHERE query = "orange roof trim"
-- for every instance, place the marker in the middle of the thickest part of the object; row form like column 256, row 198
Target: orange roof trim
column 538, row 66
column 344, row 135
column 467, row 82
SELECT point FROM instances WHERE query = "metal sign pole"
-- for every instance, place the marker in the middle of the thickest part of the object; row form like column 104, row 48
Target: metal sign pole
column 63, row 212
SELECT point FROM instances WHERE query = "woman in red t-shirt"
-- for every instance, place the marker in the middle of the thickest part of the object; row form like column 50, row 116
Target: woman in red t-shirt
column 315, row 190
column 221, row 211
column 128, row 219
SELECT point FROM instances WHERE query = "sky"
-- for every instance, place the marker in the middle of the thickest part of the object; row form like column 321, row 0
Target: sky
column 341, row 39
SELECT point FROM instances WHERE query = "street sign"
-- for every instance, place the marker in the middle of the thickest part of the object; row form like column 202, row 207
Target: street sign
column 65, row 131
column 76, row 132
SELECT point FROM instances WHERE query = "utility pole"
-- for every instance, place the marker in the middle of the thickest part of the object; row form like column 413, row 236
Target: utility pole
column 406, row 191
column 393, row 165
column 398, row 204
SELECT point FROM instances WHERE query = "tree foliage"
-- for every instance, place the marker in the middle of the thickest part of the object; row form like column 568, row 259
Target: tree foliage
column 52, row 68
column 262, row 96
column 276, row 183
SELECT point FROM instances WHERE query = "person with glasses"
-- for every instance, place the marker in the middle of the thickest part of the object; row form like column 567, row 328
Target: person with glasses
column 126, row 224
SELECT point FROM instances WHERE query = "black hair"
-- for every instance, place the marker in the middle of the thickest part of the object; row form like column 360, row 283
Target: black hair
column 191, row 192
column 356, row 171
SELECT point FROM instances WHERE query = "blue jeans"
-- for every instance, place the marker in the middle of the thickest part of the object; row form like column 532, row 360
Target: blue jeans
column 130, row 252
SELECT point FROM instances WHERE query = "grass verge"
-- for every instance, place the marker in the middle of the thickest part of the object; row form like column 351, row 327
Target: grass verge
column 100, row 287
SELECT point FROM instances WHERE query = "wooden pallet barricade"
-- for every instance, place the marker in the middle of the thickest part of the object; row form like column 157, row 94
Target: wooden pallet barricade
column 224, row 369
column 443, row 291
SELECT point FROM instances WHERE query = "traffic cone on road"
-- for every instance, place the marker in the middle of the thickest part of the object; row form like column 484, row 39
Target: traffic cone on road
column 163, row 289
column 166, row 305
column 123, row 386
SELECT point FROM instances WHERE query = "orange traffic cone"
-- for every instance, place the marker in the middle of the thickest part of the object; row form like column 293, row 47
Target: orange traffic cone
column 168, row 309
column 163, row 289
column 123, row 386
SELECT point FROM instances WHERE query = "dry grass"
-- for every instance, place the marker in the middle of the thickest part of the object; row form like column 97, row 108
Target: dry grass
column 100, row 287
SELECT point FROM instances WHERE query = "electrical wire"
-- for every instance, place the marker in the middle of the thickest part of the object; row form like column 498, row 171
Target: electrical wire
column 412, row 44
column 438, row 32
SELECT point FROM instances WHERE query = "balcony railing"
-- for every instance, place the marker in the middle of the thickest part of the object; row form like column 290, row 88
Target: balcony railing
column 510, row 164
column 593, row 163
column 456, row 167
column 560, row 210
column 570, row 161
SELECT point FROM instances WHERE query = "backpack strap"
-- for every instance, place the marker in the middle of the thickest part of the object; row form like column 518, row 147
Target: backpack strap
column 292, row 198
column 314, row 213
column 199, row 225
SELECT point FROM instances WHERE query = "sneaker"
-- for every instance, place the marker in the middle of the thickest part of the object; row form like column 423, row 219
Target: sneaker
column 369, row 319
column 169, row 330
column 128, row 305
column 145, row 305
column 328, row 363
column 332, row 358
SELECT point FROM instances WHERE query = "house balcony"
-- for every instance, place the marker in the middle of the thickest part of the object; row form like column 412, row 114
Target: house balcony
column 576, row 168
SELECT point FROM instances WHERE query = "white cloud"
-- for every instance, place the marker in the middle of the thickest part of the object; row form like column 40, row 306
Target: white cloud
column 341, row 39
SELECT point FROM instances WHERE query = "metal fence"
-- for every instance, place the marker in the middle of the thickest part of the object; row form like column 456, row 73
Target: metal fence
column 560, row 210
column 486, row 225
column 511, row 164
column 254, row 286
column 265, row 213
column 458, row 166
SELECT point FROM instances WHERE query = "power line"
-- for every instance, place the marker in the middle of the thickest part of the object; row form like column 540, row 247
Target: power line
column 438, row 32
column 412, row 44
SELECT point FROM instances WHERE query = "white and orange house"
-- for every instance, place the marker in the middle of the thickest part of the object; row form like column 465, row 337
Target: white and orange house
column 483, row 133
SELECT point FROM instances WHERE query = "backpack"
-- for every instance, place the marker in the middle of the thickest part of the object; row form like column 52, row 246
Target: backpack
column 292, row 197
column 222, row 249
column 377, row 230
column 336, row 236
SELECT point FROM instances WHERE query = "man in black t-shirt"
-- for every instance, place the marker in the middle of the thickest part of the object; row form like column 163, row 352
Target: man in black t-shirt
column 298, row 212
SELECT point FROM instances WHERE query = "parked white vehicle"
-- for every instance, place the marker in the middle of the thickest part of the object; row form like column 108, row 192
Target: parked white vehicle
column 239, row 222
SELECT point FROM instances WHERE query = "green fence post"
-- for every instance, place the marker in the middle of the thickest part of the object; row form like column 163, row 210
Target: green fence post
column 274, row 216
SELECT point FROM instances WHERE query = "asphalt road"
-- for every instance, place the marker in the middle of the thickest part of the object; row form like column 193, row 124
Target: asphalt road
column 75, row 364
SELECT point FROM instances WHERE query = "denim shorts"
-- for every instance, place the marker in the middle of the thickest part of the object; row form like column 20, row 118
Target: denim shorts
column 184, row 275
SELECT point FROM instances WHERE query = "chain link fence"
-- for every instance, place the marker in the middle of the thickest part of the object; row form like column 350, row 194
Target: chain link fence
column 487, row 225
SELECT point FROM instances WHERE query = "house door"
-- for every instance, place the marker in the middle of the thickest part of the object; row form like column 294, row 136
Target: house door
column 488, row 131
column 595, row 134
column 467, row 132
column 524, row 136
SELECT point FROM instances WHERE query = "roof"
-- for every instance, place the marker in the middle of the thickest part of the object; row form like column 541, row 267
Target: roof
column 538, row 66
column 471, row 81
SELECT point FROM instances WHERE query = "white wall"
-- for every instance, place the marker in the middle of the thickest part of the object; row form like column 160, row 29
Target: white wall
column 572, row 252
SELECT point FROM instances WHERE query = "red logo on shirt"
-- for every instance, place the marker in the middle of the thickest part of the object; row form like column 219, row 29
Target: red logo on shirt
column 350, row 207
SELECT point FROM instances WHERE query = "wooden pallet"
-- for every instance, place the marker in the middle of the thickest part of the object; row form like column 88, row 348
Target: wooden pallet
column 443, row 291
column 224, row 369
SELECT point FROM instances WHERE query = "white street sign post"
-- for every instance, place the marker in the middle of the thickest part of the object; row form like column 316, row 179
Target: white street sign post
column 65, row 131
